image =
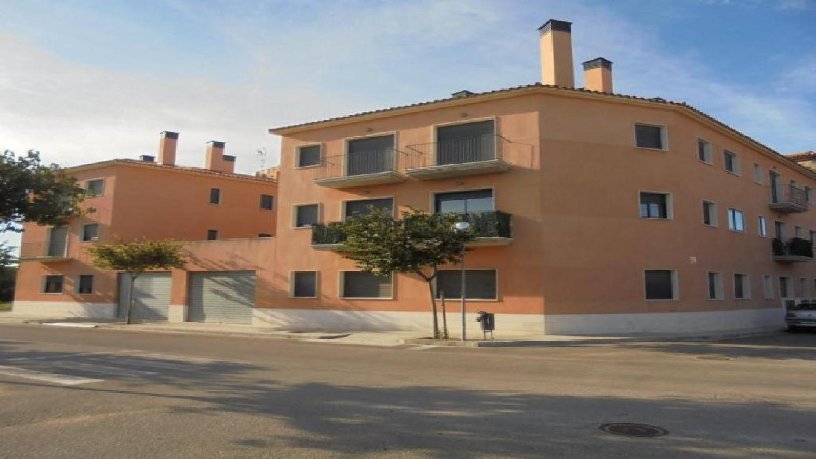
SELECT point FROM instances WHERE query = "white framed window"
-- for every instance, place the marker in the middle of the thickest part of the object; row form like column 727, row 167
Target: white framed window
column 84, row 285
column 215, row 196
column 762, row 226
column 736, row 220
column 304, row 284
column 797, row 231
column 95, row 187
column 651, row 136
column 480, row 284
column 758, row 173
column 90, row 232
column 305, row 215
column 731, row 162
column 715, row 286
column 704, row 151
column 362, row 285
column 308, row 155
column 660, row 284
column 767, row 287
column 656, row 206
column 364, row 206
column 710, row 213
column 742, row 287
column 53, row 284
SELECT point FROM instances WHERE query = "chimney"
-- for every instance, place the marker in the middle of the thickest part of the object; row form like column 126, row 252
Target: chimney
column 216, row 160
column 555, row 44
column 598, row 75
column 167, row 148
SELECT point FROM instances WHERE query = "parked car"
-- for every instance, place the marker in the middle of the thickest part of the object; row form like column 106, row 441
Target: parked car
column 802, row 315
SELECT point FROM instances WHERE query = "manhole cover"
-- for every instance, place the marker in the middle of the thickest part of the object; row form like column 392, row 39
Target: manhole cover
column 634, row 430
column 714, row 357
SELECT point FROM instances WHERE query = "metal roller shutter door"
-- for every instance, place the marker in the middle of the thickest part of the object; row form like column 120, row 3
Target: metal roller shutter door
column 222, row 297
column 151, row 294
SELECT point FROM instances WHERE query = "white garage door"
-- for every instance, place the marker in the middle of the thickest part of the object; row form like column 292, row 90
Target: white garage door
column 151, row 295
column 222, row 297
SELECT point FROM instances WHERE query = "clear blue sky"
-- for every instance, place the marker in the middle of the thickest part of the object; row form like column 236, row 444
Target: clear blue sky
column 84, row 81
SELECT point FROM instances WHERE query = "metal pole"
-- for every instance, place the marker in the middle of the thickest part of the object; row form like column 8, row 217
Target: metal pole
column 464, row 294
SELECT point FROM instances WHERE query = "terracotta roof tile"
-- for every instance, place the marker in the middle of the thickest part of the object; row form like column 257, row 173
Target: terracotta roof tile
column 189, row 169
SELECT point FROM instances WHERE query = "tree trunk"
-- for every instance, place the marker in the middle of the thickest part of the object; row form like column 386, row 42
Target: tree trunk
column 433, row 308
column 444, row 318
column 130, row 300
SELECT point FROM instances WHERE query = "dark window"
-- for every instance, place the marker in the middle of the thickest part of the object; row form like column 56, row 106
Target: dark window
column 53, row 284
column 703, row 151
column 90, row 232
column 95, row 187
column 784, row 287
column 306, row 215
column 649, row 136
column 653, row 205
column 305, row 284
column 659, row 284
column 264, row 235
column 215, row 196
column 730, row 161
column 85, row 286
column 466, row 143
column 212, row 235
column 740, row 286
column 359, row 284
column 464, row 202
column 308, row 156
column 267, row 202
column 714, row 286
column 355, row 208
column 370, row 155
column 779, row 230
column 58, row 241
column 709, row 214
column 480, row 284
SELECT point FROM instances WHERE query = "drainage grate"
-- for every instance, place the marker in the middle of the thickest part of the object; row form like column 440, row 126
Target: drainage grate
column 634, row 430
column 714, row 357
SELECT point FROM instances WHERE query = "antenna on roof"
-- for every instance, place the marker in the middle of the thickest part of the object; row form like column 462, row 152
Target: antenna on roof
column 262, row 157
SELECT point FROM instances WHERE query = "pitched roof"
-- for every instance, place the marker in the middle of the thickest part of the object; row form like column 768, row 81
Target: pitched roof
column 166, row 167
column 803, row 156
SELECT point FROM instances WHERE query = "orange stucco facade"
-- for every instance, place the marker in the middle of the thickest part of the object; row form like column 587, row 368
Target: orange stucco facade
column 566, row 164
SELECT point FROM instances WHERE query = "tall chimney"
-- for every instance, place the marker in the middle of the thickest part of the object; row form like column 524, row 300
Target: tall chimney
column 555, row 44
column 598, row 75
column 167, row 148
column 216, row 160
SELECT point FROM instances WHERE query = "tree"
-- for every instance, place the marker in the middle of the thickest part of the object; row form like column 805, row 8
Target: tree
column 8, row 273
column 34, row 192
column 137, row 257
column 416, row 244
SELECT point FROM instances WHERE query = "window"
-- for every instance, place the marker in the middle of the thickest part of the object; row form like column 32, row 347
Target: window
column 90, row 232
column 364, row 206
column 812, row 237
column 359, row 284
column 52, row 284
column 758, row 173
column 731, row 162
column 808, row 194
column 762, row 226
column 85, row 284
column 742, row 287
column 212, row 235
column 704, row 151
column 767, row 287
column 715, row 288
column 804, row 288
column 95, row 187
column 660, row 284
column 466, row 143
column 308, row 156
column 57, row 241
column 264, row 235
column 306, row 215
column 736, row 220
column 304, row 284
column 480, row 284
column 215, row 196
column 464, row 202
column 797, row 231
column 647, row 136
column 371, row 155
column 709, row 213
column 654, row 205
column 784, row 287
column 267, row 202
column 779, row 230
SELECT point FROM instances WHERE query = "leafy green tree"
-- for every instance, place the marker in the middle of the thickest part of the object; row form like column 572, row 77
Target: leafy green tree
column 34, row 192
column 8, row 273
column 416, row 244
column 137, row 257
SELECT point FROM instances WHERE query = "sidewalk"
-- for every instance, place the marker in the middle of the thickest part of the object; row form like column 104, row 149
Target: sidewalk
column 364, row 338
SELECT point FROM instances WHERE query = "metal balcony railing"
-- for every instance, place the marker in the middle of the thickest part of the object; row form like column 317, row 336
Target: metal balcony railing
column 793, row 248
column 788, row 197
column 357, row 163
column 454, row 151
column 328, row 234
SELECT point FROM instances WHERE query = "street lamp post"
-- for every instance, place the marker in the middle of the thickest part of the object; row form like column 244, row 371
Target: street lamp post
column 462, row 227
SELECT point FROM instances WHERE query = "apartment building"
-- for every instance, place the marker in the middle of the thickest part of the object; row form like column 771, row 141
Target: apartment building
column 596, row 213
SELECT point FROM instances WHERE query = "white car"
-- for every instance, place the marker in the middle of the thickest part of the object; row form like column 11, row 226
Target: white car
column 802, row 315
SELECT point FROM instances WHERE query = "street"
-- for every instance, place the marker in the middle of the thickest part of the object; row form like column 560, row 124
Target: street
column 69, row 392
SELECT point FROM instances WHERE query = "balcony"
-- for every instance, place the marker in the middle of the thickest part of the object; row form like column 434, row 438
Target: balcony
column 788, row 199
column 792, row 251
column 359, row 168
column 44, row 252
column 456, row 157
column 490, row 228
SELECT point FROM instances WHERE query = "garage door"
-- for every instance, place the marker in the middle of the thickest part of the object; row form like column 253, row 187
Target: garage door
column 223, row 297
column 151, row 294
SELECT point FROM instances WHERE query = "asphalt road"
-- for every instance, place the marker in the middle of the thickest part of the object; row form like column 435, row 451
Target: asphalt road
column 106, row 393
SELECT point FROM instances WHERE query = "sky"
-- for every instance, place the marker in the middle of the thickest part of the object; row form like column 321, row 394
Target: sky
column 85, row 81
